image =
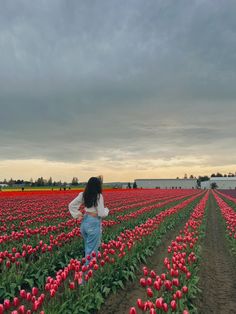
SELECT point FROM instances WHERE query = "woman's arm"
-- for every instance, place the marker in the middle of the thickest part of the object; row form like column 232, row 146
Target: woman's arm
column 102, row 211
column 74, row 206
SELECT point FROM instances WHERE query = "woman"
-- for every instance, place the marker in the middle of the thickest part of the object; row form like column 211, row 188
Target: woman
column 94, row 210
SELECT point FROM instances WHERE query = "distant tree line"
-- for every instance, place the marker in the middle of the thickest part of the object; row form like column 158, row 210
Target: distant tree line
column 230, row 174
column 40, row 182
column 205, row 178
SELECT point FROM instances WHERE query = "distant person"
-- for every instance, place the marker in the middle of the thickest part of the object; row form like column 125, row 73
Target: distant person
column 91, row 225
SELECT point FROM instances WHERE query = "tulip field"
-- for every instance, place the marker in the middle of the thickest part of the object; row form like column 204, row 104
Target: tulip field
column 155, row 257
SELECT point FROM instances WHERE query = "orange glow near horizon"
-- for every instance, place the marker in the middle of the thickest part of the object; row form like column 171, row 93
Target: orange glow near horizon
column 127, row 170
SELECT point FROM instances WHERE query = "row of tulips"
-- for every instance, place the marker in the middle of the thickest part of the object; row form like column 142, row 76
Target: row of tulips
column 229, row 195
column 229, row 215
column 171, row 290
column 18, row 212
column 112, row 252
column 15, row 214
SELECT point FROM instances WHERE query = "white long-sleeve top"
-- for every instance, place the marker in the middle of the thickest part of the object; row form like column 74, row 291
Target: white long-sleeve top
column 78, row 201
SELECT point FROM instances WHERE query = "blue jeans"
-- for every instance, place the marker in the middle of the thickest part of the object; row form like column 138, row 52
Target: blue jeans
column 91, row 232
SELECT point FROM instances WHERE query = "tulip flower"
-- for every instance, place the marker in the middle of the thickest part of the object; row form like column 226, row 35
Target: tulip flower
column 143, row 282
column 35, row 291
column 140, row 304
column 173, row 305
column 165, row 307
column 149, row 292
column 132, row 310
column 7, row 304
column 72, row 285
column 15, row 301
column 22, row 309
column 185, row 289
column 159, row 303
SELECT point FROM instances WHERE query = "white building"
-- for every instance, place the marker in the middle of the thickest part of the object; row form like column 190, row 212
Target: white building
column 167, row 183
column 223, row 183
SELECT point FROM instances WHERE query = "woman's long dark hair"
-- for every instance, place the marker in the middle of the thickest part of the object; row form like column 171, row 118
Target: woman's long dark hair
column 92, row 191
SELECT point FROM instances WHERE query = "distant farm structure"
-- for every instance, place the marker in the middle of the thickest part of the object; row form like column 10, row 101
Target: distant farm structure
column 167, row 183
column 223, row 183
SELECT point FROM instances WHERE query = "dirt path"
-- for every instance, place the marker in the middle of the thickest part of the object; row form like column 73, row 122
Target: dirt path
column 121, row 302
column 218, row 269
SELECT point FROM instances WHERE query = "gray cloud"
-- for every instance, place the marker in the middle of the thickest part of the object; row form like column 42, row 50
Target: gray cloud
column 81, row 80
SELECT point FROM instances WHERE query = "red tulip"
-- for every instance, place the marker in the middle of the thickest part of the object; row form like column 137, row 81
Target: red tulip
column 28, row 296
column 153, row 274
column 35, row 291
column 149, row 292
column 72, row 285
column 15, row 301
column 179, row 294
column 168, row 284
column 173, row 305
column 21, row 309
column 185, row 289
column 165, row 307
column 140, row 304
column 143, row 282
column 163, row 276
column 132, row 310
column 7, row 304
column 159, row 303
column 95, row 267
column 84, row 268
column 157, row 285
column 175, row 282
column 149, row 281
column 35, row 306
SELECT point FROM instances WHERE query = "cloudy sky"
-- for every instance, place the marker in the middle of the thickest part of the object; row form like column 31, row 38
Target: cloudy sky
column 124, row 88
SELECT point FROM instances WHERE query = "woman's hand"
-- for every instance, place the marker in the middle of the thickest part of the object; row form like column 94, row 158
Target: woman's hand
column 80, row 216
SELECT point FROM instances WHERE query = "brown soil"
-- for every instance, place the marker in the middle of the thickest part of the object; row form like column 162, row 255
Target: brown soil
column 121, row 302
column 218, row 269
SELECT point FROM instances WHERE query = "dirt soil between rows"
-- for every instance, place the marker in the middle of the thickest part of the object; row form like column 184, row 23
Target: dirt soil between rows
column 121, row 302
column 218, row 268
